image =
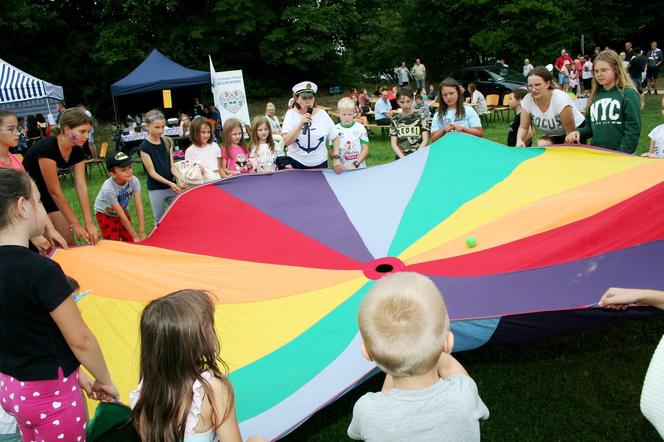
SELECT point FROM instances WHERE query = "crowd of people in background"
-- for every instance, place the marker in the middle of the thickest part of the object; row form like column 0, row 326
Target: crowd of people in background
column 35, row 213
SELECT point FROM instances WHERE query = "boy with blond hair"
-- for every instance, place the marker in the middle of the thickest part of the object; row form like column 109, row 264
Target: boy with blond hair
column 427, row 394
column 353, row 145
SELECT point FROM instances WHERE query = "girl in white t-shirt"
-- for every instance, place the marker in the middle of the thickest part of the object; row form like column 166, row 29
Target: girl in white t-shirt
column 203, row 150
column 656, row 140
column 263, row 151
column 550, row 110
column 656, row 143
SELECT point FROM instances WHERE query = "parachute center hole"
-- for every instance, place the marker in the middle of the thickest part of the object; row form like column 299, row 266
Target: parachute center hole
column 384, row 268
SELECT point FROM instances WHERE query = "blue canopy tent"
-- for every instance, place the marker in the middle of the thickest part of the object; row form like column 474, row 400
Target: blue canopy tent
column 155, row 73
column 23, row 94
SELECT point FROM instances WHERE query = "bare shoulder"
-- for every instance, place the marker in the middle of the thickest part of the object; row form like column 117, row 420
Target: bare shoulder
column 222, row 392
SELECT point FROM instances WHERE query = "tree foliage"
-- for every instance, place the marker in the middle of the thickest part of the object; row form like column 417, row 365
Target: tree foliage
column 87, row 45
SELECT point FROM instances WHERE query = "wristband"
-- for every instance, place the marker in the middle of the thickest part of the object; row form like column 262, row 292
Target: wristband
column 356, row 164
column 336, row 157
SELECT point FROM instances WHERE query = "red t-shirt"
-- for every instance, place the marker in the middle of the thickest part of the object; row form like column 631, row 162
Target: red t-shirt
column 560, row 61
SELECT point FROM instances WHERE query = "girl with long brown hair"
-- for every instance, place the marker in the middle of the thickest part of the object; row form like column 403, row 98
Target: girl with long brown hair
column 547, row 108
column 52, row 157
column 453, row 115
column 183, row 394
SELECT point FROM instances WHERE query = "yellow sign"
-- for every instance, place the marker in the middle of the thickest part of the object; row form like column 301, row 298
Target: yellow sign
column 168, row 103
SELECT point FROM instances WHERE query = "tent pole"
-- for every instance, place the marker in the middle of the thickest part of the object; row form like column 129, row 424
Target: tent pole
column 115, row 109
column 48, row 106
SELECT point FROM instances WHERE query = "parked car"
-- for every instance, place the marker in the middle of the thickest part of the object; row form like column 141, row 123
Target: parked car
column 493, row 79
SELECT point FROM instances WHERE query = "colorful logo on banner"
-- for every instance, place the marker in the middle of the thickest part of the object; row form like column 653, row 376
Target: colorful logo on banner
column 232, row 101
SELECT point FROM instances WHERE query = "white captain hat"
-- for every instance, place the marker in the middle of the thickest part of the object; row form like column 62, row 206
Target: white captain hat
column 305, row 87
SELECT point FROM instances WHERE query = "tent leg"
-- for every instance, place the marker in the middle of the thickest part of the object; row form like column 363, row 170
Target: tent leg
column 115, row 110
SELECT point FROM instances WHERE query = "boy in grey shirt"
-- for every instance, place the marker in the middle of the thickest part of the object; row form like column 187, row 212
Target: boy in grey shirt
column 427, row 394
column 112, row 202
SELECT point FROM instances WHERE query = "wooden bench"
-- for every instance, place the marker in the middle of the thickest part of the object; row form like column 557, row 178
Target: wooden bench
column 382, row 128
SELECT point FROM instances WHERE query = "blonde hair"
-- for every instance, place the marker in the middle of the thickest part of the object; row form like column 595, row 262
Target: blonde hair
column 622, row 79
column 403, row 322
column 255, row 124
column 346, row 104
column 153, row 115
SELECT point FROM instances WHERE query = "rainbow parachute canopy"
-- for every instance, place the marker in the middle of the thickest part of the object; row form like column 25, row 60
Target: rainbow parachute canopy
column 291, row 256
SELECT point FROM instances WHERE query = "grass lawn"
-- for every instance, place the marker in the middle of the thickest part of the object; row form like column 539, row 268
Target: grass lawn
column 583, row 387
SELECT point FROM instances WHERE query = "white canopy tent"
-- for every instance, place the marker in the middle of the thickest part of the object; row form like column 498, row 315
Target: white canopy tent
column 23, row 94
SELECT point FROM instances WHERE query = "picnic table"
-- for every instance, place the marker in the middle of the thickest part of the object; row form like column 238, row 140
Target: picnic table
column 138, row 136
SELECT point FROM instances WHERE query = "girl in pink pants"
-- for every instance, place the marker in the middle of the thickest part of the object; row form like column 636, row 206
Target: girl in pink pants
column 43, row 338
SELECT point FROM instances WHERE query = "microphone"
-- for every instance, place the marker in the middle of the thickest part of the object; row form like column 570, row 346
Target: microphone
column 305, row 128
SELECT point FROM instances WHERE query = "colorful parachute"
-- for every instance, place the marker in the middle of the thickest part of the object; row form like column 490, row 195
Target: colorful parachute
column 291, row 255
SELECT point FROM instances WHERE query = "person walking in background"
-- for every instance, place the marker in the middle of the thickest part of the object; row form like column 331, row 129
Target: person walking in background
column 403, row 74
column 629, row 51
column 527, row 67
column 586, row 75
column 60, row 107
column 637, row 68
column 419, row 72
column 560, row 63
column 655, row 58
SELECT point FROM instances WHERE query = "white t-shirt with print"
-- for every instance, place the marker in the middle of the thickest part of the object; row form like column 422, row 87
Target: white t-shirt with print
column 207, row 156
column 310, row 149
column 587, row 70
column 657, row 134
column 263, row 159
column 550, row 122
column 351, row 139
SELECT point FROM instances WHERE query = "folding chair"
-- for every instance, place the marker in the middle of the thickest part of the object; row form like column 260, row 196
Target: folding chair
column 504, row 107
column 98, row 161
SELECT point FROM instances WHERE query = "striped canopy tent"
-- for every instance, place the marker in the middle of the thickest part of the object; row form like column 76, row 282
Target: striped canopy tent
column 23, row 94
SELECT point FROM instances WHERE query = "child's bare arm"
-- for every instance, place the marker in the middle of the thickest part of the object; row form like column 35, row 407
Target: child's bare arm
column 425, row 138
column 224, row 168
column 395, row 147
column 117, row 208
column 620, row 298
column 448, row 366
column 140, row 214
column 149, row 168
column 363, row 153
column 224, row 407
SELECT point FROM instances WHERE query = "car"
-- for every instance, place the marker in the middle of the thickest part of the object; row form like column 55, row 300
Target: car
column 492, row 79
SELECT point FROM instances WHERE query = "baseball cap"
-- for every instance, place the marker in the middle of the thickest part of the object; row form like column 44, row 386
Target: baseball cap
column 120, row 159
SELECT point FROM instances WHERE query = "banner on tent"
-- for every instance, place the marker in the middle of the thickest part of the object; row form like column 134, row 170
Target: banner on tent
column 229, row 96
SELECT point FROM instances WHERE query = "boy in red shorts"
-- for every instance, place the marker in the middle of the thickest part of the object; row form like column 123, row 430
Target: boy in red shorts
column 112, row 203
